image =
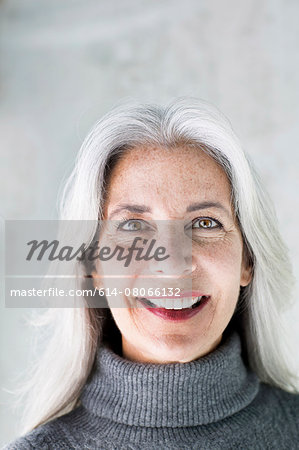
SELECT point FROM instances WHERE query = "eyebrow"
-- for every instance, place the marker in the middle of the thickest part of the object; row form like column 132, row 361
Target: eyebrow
column 140, row 209
column 205, row 205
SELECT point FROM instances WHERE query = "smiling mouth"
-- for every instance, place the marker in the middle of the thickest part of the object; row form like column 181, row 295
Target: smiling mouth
column 183, row 303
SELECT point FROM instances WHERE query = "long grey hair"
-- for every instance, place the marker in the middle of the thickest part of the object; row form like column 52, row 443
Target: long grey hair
column 74, row 333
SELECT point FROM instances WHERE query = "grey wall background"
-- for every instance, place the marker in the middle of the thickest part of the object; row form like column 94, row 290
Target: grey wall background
column 65, row 63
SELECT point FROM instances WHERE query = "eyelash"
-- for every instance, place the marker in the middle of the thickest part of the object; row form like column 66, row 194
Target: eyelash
column 219, row 225
column 124, row 221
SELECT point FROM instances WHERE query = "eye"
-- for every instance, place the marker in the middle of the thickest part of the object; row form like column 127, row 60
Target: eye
column 206, row 223
column 130, row 225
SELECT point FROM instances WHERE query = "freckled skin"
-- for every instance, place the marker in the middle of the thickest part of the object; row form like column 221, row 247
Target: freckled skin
column 168, row 180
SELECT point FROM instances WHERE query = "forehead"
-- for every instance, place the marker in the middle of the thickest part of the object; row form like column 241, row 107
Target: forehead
column 170, row 176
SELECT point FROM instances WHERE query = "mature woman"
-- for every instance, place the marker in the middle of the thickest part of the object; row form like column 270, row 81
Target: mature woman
column 190, row 351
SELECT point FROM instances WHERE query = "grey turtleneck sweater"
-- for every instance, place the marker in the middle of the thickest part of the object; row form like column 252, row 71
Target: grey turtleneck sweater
column 214, row 402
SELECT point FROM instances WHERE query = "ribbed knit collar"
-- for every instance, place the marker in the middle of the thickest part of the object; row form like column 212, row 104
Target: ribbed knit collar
column 170, row 395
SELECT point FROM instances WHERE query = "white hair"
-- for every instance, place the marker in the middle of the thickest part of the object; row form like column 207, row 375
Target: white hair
column 57, row 376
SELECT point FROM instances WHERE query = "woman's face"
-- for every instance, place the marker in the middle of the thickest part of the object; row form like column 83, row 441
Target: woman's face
column 181, row 198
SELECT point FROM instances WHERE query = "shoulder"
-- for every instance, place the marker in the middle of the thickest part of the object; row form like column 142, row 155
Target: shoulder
column 287, row 402
column 43, row 437
column 53, row 434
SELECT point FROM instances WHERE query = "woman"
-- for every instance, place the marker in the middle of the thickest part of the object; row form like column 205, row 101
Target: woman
column 208, row 368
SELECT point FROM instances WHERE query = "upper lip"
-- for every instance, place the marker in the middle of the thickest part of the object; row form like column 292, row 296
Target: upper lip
column 191, row 294
column 184, row 294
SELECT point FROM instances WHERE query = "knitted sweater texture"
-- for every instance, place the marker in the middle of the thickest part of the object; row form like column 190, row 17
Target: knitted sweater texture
column 214, row 402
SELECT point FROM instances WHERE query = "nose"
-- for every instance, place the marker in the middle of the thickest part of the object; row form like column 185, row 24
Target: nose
column 178, row 249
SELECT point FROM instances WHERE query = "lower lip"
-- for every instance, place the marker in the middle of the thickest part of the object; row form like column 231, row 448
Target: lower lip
column 176, row 315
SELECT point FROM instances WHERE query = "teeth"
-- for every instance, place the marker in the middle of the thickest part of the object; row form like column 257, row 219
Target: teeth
column 168, row 303
column 175, row 303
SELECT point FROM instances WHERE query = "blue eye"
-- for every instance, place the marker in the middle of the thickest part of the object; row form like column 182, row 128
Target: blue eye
column 206, row 223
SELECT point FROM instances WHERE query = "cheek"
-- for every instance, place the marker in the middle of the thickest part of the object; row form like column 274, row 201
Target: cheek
column 131, row 321
column 219, row 261
column 121, row 317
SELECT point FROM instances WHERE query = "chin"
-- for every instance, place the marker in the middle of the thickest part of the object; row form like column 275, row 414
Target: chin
column 175, row 348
